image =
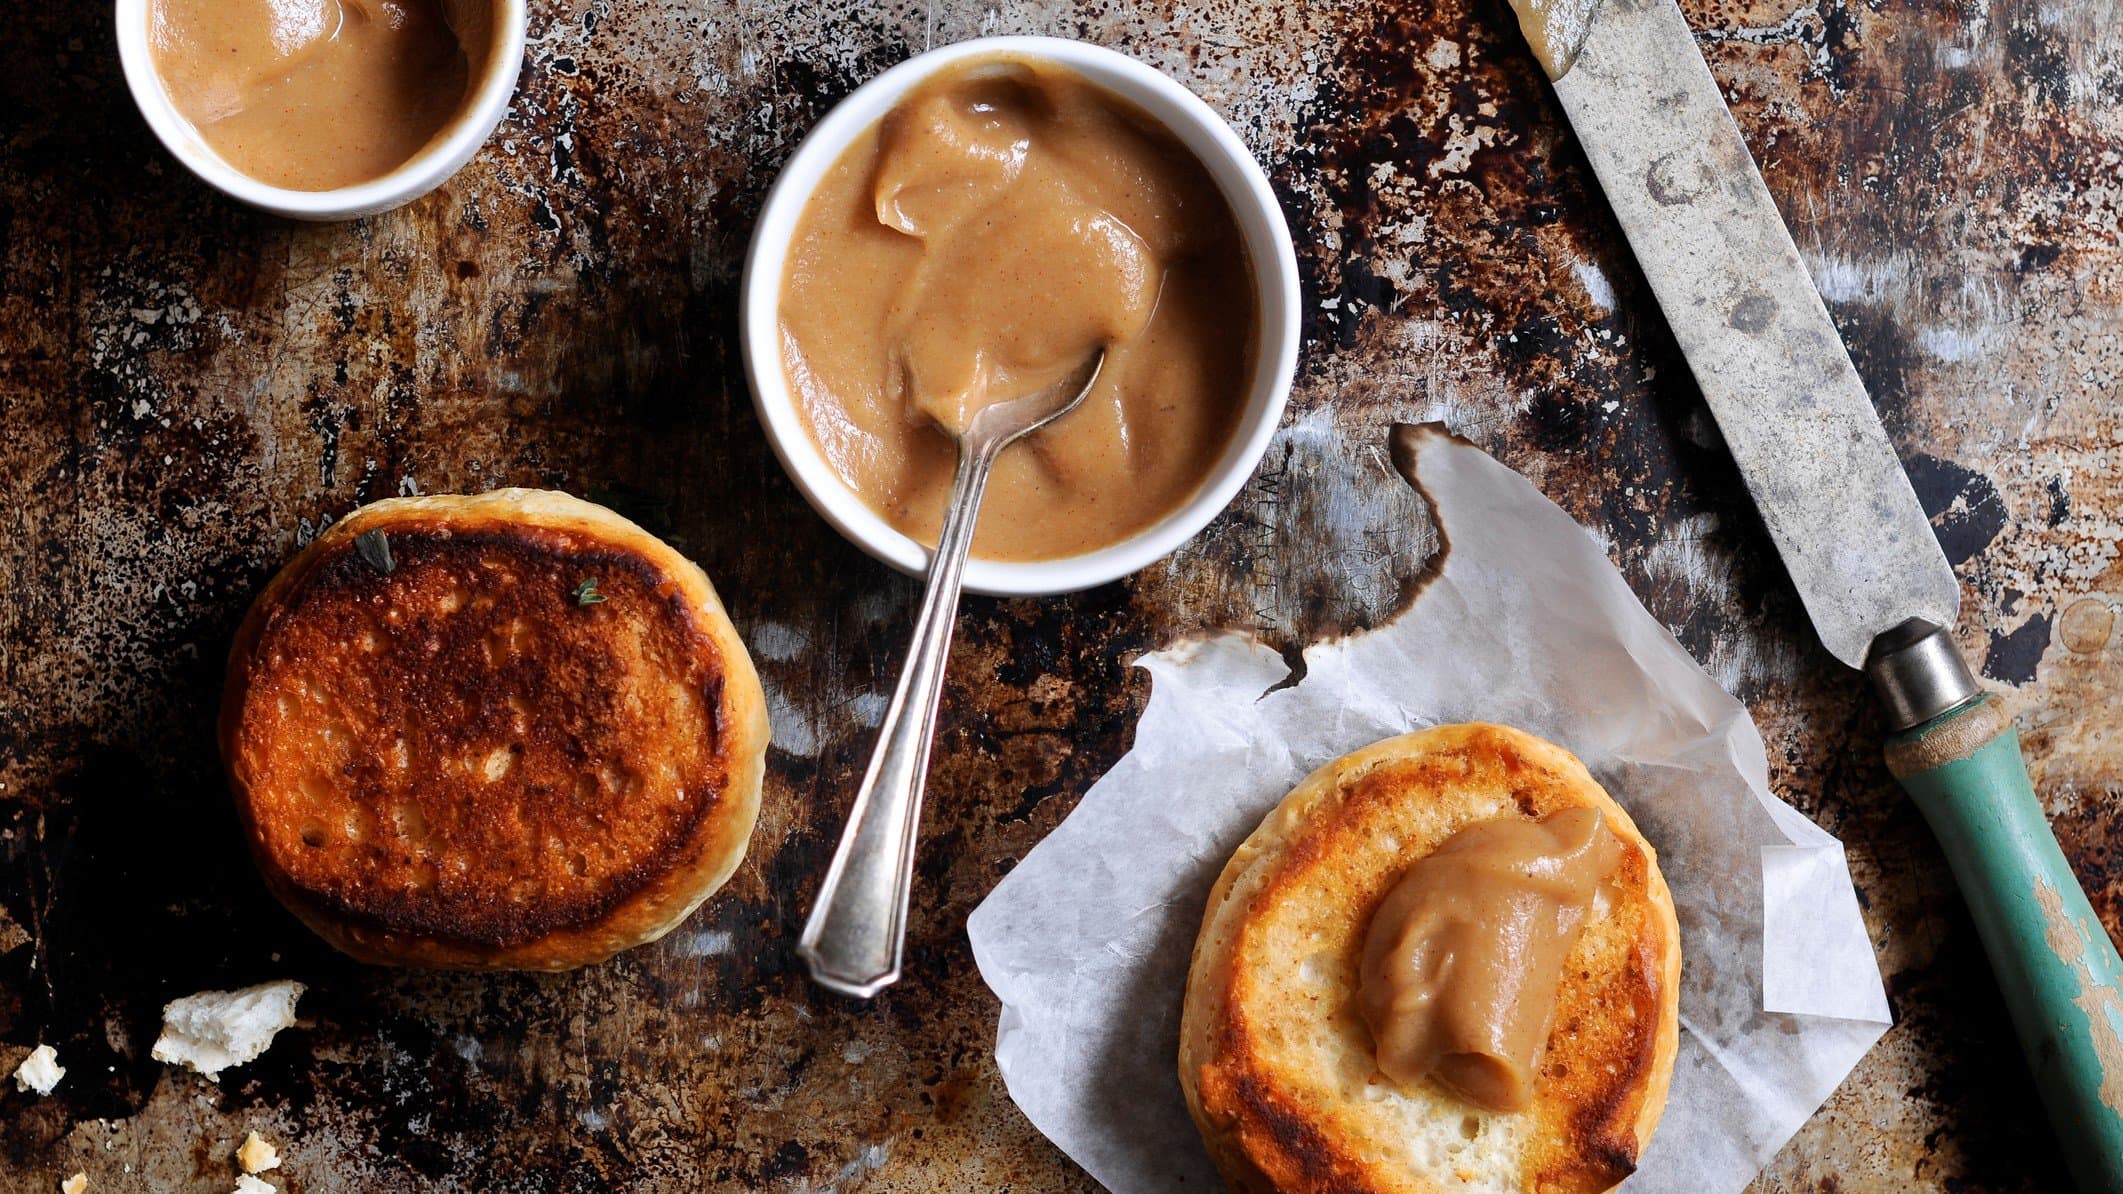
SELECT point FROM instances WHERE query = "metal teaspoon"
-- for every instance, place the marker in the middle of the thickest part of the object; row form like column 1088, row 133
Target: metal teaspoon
column 853, row 939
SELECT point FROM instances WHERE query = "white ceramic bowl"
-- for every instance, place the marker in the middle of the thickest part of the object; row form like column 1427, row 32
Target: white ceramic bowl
column 1260, row 222
column 494, row 82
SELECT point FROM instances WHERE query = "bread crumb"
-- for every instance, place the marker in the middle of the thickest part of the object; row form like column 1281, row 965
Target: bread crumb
column 40, row 1071
column 76, row 1184
column 256, row 1155
column 251, row 1185
column 214, row 1030
column 12, row 937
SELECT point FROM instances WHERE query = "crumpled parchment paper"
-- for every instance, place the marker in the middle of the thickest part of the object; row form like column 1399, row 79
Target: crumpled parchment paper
column 1087, row 941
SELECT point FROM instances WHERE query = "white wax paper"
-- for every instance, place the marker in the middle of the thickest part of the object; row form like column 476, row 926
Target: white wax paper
column 1087, row 941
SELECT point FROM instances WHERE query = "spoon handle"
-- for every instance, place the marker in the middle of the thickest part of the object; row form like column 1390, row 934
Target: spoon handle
column 858, row 925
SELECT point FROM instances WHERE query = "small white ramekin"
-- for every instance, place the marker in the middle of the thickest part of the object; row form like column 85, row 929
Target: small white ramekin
column 1260, row 223
column 426, row 170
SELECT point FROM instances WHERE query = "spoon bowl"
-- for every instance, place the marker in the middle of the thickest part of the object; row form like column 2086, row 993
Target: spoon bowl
column 1004, row 423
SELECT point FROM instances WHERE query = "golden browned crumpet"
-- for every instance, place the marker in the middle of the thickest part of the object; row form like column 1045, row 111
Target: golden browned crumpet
column 510, row 731
column 1278, row 1065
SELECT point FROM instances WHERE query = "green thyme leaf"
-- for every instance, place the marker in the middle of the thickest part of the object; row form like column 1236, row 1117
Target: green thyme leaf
column 375, row 551
column 586, row 593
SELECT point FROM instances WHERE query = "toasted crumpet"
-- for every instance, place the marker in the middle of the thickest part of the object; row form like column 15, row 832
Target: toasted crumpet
column 1277, row 1064
column 449, row 749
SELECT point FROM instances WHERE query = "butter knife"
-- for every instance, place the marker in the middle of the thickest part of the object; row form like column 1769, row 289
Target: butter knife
column 1853, row 537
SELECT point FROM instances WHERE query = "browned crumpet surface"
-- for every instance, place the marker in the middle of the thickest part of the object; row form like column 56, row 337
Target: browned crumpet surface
column 463, row 748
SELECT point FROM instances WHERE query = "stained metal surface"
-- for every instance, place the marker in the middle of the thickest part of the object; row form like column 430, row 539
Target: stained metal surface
column 188, row 390
column 1708, row 238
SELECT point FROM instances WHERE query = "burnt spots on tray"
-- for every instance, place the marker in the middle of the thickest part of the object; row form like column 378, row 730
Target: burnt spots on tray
column 1412, row 97
column 2059, row 501
column 1359, row 290
column 1039, row 679
column 1964, row 506
column 1455, row 201
column 2015, row 656
column 818, row 84
column 1883, row 350
column 2037, row 256
column 2037, row 60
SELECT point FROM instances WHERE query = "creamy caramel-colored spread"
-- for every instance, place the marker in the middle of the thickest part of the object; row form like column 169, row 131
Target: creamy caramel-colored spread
column 1002, row 222
column 1556, row 29
column 313, row 95
column 1463, row 957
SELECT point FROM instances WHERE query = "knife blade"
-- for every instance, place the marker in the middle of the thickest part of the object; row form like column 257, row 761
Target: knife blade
column 1769, row 361
column 1860, row 551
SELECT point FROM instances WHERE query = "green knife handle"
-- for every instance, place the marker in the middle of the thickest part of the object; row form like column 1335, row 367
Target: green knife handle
column 2053, row 960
